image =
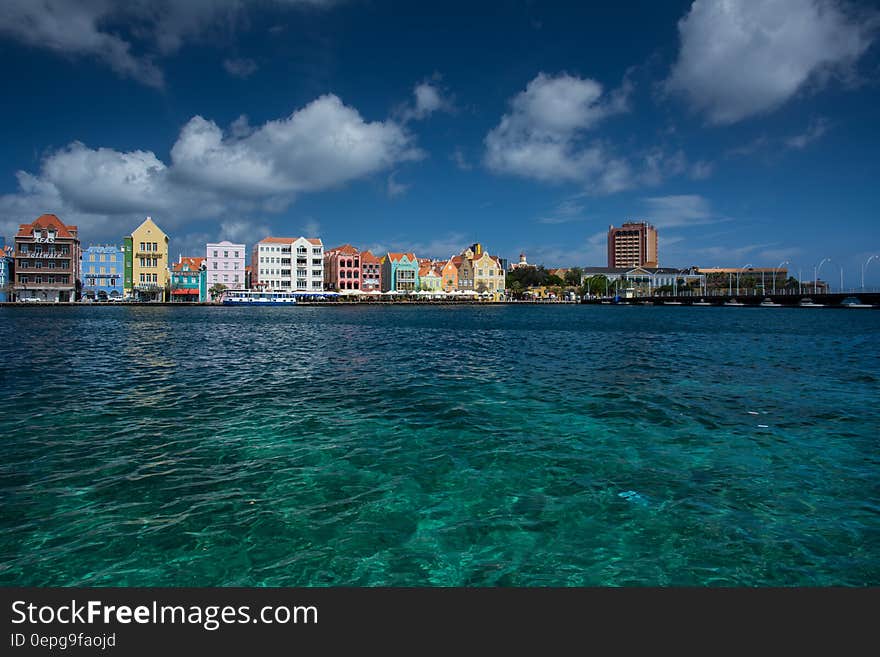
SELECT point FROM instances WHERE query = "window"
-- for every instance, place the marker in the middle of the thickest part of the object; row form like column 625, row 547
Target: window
column 317, row 272
column 215, row 264
column 24, row 248
column 215, row 254
column 103, row 270
column 143, row 247
column 103, row 257
column 225, row 254
column 302, row 249
column 316, row 250
column 225, row 278
column 113, row 269
column 91, row 257
column 236, row 278
column 155, row 247
column 23, row 279
column 236, row 254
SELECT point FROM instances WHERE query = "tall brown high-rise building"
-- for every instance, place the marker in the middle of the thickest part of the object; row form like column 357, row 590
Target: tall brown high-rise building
column 634, row 244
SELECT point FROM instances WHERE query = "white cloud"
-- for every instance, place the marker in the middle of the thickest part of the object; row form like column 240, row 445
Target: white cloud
column 240, row 67
column 111, row 31
column 679, row 210
column 816, row 129
column 544, row 136
column 567, row 211
column 211, row 174
column 395, row 188
column 242, row 230
column 701, row 170
column 323, row 145
column 428, row 98
column 739, row 59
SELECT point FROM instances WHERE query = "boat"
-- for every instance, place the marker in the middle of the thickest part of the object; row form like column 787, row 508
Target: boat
column 769, row 303
column 854, row 302
column 733, row 302
column 672, row 303
column 701, row 302
column 257, row 298
column 807, row 302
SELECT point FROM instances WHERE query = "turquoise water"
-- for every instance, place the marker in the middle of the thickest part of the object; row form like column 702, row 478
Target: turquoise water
column 476, row 446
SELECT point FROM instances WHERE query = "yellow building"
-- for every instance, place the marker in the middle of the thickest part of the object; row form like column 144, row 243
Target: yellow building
column 146, row 255
column 488, row 275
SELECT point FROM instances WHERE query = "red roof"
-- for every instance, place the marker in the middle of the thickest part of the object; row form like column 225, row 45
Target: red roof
column 347, row 249
column 368, row 258
column 43, row 222
column 397, row 256
column 315, row 240
column 193, row 262
column 278, row 240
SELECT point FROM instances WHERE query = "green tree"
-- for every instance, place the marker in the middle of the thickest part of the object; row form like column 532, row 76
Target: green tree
column 573, row 276
column 216, row 290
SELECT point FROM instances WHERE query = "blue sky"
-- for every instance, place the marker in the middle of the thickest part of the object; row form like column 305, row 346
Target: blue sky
column 747, row 132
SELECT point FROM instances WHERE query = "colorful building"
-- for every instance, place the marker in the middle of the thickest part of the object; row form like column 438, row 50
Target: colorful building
column 429, row 278
column 189, row 280
column 289, row 264
column 7, row 271
column 466, row 272
column 400, row 272
column 371, row 272
column 47, row 254
column 488, row 274
column 101, row 268
column 449, row 274
column 342, row 268
column 224, row 262
column 146, row 258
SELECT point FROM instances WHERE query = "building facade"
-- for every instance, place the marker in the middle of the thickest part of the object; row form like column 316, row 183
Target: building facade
column 400, row 272
column 146, row 258
column 102, row 268
column 522, row 262
column 488, row 274
column 342, row 269
column 289, row 264
column 429, row 279
column 47, row 260
column 224, row 262
column 449, row 274
column 371, row 273
column 634, row 244
column 7, row 271
column 189, row 280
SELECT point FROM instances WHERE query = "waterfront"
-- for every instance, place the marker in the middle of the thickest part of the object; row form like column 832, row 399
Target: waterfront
column 451, row 445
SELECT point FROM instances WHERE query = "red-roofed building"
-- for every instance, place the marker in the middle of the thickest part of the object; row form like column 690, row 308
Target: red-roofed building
column 189, row 280
column 371, row 272
column 342, row 269
column 400, row 272
column 47, row 254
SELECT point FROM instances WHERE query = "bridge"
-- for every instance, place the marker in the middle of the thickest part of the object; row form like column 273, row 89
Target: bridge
column 827, row 300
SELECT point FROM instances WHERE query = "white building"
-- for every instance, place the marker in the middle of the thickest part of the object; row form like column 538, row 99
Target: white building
column 289, row 264
column 225, row 264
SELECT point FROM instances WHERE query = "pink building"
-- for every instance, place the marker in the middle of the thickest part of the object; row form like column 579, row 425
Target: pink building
column 342, row 268
column 371, row 273
column 225, row 262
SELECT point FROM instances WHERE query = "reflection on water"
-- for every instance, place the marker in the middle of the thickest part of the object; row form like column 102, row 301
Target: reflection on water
column 439, row 446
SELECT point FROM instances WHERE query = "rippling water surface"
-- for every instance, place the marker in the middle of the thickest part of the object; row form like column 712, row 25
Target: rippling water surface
column 526, row 445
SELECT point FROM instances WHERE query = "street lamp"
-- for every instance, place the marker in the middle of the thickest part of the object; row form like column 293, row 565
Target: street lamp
column 776, row 273
column 741, row 269
column 864, row 267
column 816, row 273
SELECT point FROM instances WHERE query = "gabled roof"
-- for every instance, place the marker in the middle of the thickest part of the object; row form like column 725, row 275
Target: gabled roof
column 427, row 270
column 193, row 263
column 347, row 249
column 394, row 257
column 43, row 222
column 315, row 240
column 368, row 257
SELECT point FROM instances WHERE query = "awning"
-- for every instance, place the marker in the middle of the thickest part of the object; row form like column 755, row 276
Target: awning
column 185, row 292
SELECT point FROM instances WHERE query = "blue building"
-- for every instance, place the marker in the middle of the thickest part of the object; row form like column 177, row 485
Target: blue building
column 6, row 261
column 102, row 268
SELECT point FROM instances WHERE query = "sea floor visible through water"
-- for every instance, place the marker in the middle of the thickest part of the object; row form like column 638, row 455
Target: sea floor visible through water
column 439, row 446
